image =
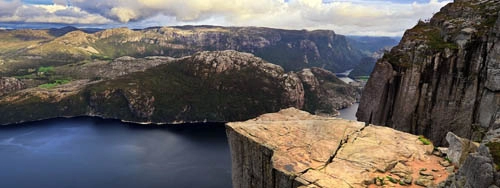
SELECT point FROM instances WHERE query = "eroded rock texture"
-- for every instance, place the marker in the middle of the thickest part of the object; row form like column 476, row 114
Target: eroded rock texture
column 442, row 77
column 293, row 148
column 8, row 85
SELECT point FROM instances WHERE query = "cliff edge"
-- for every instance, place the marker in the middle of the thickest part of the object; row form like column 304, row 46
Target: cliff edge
column 292, row 148
column 444, row 76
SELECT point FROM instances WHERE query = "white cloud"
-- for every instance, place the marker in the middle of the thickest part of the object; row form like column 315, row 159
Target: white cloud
column 49, row 14
column 373, row 17
column 9, row 7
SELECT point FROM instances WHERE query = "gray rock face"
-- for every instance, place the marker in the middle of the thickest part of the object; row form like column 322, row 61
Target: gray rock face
column 459, row 148
column 8, row 85
column 375, row 105
column 445, row 76
column 479, row 168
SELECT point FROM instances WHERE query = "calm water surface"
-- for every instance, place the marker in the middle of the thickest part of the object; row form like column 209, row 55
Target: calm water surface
column 91, row 152
column 349, row 113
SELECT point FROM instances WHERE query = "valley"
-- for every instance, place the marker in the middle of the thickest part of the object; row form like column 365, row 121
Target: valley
column 246, row 106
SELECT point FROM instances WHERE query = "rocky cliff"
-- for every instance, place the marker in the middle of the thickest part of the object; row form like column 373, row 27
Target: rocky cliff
column 208, row 86
column 324, row 92
column 442, row 77
column 293, row 148
column 291, row 49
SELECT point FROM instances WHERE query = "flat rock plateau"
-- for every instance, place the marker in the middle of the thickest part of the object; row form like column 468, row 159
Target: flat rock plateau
column 292, row 148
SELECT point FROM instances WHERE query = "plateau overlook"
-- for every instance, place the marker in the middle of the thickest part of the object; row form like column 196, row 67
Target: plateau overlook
column 440, row 82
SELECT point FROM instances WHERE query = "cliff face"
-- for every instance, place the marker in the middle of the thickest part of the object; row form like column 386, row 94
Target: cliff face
column 324, row 92
column 293, row 148
column 208, row 86
column 291, row 49
column 443, row 76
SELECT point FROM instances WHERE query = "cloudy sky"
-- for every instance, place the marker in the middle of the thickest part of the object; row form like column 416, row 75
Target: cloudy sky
column 350, row 17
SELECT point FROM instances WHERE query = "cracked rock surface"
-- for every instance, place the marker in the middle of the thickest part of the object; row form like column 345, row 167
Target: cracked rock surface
column 292, row 148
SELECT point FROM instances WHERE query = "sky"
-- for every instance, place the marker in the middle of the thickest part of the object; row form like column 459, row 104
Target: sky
column 349, row 17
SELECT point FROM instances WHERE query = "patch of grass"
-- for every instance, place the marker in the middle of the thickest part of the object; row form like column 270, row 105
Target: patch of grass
column 447, row 159
column 46, row 69
column 363, row 77
column 101, row 57
column 436, row 42
column 398, row 59
column 380, row 179
column 392, row 179
column 495, row 153
column 424, row 140
column 54, row 84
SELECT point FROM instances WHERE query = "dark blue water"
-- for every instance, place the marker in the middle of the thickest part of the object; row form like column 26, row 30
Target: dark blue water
column 90, row 152
column 93, row 153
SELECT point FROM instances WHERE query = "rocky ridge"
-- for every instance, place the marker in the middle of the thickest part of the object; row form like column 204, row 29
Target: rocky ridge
column 442, row 77
column 293, row 148
column 291, row 49
column 208, row 86
column 121, row 66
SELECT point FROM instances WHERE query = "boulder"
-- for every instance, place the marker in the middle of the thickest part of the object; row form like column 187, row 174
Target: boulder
column 459, row 148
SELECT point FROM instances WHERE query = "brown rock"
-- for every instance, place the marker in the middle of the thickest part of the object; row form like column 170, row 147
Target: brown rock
column 459, row 148
column 424, row 181
column 319, row 151
column 401, row 169
column 8, row 85
column 425, row 173
column 445, row 163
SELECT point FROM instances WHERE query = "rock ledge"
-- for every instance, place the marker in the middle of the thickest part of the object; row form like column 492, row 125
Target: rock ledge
column 292, row 148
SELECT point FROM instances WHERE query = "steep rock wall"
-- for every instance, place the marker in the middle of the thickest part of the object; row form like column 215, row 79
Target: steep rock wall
column 443, row 76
